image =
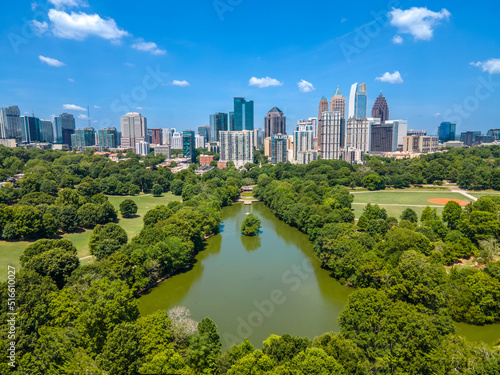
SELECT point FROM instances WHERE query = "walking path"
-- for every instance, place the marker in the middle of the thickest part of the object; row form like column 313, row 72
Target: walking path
column 87, row 257
column 456, row 189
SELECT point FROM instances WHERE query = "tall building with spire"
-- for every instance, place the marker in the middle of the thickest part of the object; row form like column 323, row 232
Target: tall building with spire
column 381, row 109
column 323, row 106
column 357, row 101
column 275, row 122
column 337, row 103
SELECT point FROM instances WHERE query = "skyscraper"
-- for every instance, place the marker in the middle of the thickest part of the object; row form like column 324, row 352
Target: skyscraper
column 243, row 114
column 381, row 109
column 357, row 101
column 279, row 148
column 176, row 141
column 204, row 131
column 46, row 131
column 237, row 146
column 134, row 129
column 156, row 136
column 167, row 136
column 302, row 141
column 384, row 138
column 218, row 123
column 83, row 138
column 323, row 106
column 199, row 141
column 10, row 122
column 311, row 124
column 332, row 134
column 257, row 138
column 107, row 138
column 142, row 148
column 274, row 122
column 447, row 132
column 65, row 126
column 30, row 129
column 188, row 145
column 337, row 103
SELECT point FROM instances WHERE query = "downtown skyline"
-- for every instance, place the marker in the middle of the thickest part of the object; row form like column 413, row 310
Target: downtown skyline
column 66, row 68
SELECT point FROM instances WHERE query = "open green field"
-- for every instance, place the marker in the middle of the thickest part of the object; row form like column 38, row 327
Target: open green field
column 396, row 201
column 483, row 193
column 11, row 251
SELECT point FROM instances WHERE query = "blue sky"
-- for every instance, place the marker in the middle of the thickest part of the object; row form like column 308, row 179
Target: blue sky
column 180, row 61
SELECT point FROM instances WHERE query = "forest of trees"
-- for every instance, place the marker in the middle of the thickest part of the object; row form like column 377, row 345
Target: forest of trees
column 75, row 318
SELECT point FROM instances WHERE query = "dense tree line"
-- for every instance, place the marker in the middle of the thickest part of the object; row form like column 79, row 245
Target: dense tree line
column 84, row 319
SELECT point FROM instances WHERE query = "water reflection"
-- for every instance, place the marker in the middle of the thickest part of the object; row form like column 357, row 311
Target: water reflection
column 251, row 243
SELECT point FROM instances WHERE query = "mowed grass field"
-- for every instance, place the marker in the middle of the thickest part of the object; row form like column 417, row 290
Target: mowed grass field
column 395, row 202
column 11, row 251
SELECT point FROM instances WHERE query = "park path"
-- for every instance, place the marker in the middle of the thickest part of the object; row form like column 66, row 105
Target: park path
column 400, row 205
column 87, row 257
column 456, row 189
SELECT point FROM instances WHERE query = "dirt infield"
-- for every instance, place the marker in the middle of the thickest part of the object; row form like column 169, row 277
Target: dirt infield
column 444, row 201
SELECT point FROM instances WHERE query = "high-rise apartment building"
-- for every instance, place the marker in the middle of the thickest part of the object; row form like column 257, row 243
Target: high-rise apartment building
column 469, row 138
column 447, row 132
column 64, row 125
column 279, row 148
column 243, row 114
column 380, row 109
column 176, row 141
column 421, row 133
column 332, row 134
column 494, row 133
column 302, row 141
column 237, row 146
column 167, row 136
column 357, row 101
column 358, row 133
column 134, row 129
column 47, row 131
column 10, row 122
column 388, row 137
column 188, row 145
column 83, row 138
column 274, row 122
column 311, row 124
column 337, row 103
column 323, row 106
column 156, row 136
column 218, row 123
column 199, row 141
column 306, row 157
column 142, row 148
column 107, row 138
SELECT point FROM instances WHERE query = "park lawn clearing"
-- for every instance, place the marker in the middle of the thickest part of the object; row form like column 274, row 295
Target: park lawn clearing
column 11, row 251
column 443, row 201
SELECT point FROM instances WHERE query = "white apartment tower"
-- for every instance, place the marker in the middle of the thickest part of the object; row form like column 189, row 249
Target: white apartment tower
column 134, row 129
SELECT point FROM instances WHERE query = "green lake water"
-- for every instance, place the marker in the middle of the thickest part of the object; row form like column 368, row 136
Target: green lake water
column 257, row 286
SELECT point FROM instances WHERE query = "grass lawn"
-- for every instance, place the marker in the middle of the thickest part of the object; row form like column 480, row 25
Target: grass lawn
column 403, row 198
column 483, row 193
column 11, row 251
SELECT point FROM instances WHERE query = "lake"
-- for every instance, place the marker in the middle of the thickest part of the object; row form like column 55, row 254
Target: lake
column 257, row 286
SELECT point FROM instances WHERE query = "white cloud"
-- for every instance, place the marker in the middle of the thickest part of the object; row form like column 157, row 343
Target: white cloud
column 34, row 5
column 419, row 22
column 73, row 107
column 40, row 28
column 397, row 39
column 491, row 66
column 80, row 25
column 83, row 117
column 71, row 79
column 390, row 78
column 264, row 82
column 183, row 83
column 129, row 64
column 50, row 61
column 97, row 107
column 59, row 4
column 151, row 47
column 139, row 108
column 305, row 86
column 437, row 114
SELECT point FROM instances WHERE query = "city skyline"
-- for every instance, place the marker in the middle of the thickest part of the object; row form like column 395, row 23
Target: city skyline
column 58, row 56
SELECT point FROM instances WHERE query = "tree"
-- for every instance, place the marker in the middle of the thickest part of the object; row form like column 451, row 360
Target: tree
column 182, row 325
column 69, row 197
column 451, row 214
column 428, row 214
column 409, row 215
column 134, row 189
column 157, row 214
column 121, row 353
column 68, row 218
column 157, row 190
column 128, row 208
column 88, row 215
column 176, row 187
column 49, row 187
column 106, row 213
column 106, row 240
column 28, row 221
column 251, row 225
column 489, row 250
column 58, row 264
column 204, row 348
column 373, row 182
